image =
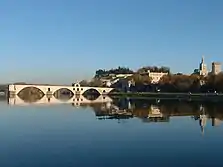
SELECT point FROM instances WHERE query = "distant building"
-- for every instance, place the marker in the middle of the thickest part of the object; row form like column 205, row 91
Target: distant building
column 156, row 76
column 123, row 84
column 113, row 78
column 123, row 75
column 106, row 82
column 216, row 68
column 203, row 68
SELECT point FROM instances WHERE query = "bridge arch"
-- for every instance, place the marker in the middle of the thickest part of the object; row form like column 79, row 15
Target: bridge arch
column 30, row 90
column 31, row 94
column 63, row 93
column 91, row 91
column 91, row 97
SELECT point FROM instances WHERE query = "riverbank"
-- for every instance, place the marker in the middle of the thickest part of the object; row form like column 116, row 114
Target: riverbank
column 170, row 96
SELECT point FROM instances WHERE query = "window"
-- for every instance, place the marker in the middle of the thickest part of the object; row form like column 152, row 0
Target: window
column 81, row 88
column 73, row 88
column 48, row 99
column 77, row 89
column 103, row 91
column 48, row 89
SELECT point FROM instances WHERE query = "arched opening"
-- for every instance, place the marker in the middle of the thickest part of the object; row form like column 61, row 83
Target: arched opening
column 92, row 92
column 63, row 94
column 31, row 94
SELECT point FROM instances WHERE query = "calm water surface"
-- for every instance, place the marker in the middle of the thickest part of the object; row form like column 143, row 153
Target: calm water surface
column 124, row 133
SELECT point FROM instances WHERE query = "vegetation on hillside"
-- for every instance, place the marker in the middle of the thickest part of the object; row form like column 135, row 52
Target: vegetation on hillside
column 120, row 70
column 123, row 70
column 140, row 79
column 191, row 83
column 154, row 69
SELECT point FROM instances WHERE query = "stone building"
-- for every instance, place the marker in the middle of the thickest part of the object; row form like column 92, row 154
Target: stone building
column 203, row 68
column 155, row 76
column 216, row 68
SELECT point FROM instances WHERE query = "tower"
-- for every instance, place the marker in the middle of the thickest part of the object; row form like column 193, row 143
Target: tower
column 216, row 68
column 203, row 67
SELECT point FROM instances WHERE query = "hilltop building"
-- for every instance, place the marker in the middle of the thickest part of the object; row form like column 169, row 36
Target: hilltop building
column 203, row 71
column 203, row 68
column 216, row 68
column 155, row 76
column 114, row 78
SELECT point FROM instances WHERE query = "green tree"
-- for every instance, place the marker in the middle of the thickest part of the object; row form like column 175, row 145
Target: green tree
column 84, row 83
column 141, row 79
column 96, row 83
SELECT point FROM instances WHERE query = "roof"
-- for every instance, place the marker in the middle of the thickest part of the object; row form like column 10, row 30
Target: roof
column 216, row 63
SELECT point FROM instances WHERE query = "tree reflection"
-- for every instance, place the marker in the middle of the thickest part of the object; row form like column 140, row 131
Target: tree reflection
column 151, row 111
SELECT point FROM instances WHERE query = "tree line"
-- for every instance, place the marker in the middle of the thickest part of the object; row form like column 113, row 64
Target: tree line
column 120, row 70
column 168, row 83
column 124, row 70
column 185, row 83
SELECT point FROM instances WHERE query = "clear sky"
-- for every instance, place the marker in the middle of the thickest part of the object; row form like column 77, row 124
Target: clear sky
column 62, row 41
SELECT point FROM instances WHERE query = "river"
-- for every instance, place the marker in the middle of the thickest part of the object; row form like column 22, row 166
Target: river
column 120, row 133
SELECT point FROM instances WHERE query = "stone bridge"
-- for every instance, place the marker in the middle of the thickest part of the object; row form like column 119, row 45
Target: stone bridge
column 51, row 89
column 75, row 100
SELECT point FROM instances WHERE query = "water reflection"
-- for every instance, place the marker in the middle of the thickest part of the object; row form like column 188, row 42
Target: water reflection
column 114, row 132
column 148, row 111
column 76, row 100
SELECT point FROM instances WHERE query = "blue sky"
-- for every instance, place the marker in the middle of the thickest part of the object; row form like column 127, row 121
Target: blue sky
column 62, row 41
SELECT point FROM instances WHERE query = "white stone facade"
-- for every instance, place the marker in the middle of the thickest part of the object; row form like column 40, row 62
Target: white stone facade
column 156, row 76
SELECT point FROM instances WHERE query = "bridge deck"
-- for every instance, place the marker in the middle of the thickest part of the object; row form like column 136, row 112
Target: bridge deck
column 58, row 85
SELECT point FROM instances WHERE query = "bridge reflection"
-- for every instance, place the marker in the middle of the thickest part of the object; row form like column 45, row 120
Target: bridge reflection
column 76, row 100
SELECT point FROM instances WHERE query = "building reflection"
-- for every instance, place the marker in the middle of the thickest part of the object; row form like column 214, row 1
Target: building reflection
column 151, row 111
column 202, row 119
column 148, row 111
